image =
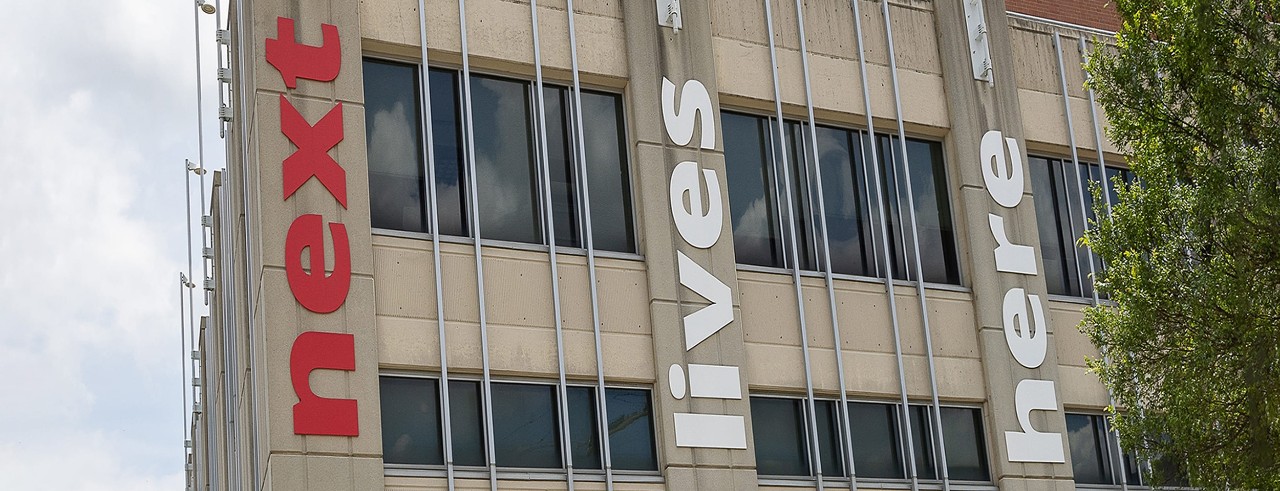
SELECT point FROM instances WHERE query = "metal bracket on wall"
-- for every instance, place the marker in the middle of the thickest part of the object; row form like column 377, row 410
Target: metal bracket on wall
column 669, row 14
column 979, row 47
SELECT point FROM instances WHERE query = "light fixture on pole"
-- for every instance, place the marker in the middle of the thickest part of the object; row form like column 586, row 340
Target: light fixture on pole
column 205, row 7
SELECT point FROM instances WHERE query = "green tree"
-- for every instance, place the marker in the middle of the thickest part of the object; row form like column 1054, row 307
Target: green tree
column 1192, row 339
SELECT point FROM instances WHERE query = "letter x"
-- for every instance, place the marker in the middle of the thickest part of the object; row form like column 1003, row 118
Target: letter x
column 312, row 157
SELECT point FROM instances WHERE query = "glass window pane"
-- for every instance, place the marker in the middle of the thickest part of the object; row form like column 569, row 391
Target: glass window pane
column 524, row 425
column 608, row 181
column 1056, row 250
column 446, row 139
column 932, row 204
column 779, row 437
column 1133, row 470
column 564, row 200
column 966, row 450
column 1086, row 437
column 393, row 127
column 410, row 421
column 505, row 173
column 876, row 451
column 751, row 199
column 631, row 444
column 801, row 202
column 894, row 191
column 466, row 418
column 843, row 199
column 829, row 446
column 584, row 434
column 922, row 442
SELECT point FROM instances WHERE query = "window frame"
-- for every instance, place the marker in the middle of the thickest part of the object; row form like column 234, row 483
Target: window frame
column 773, row 165
column 528, row 473
column 580, row 225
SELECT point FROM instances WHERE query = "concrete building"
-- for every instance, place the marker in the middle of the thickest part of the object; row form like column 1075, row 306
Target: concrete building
column 724, row 244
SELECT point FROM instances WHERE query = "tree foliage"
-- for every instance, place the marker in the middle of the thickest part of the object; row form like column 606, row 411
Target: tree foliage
column 1192, row 335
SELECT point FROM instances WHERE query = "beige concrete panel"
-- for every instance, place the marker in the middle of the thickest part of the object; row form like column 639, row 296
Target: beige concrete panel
column 408, row 343
column 952, row 324
column 923, row 98
column 500, row 30
column 464, row 346
column 791, row 76
column 624, row 305
column 1073, row 346
column 917, row 371
column 628, row 357
column 957, row 380
column 915, row 41
column 1046, row 121
column 289, row 472
column 775, row 367
column 822, row 365
column 412, row 483
column 733, row 59
column 281, row 323
column 277, row 214
column 743, row 21
column 871, row 374
column 517, row 288
column 458, row 283
column 1080, row 388
column 837, row 87
column 652, row 193
column 391, row 21
column 600, row 49
column 817, row 313
column 580, row 354
column 863, row 310
column 1035, row 64
column 769, row 314
column 519, row 350
column 348, row 86
column 786, row 31
column 575, row 293
column 830, row 30
column 404, row 282
column 605, row 8
column 442, row 26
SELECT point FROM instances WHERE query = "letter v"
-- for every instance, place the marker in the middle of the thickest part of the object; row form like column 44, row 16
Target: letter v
column 708, row 320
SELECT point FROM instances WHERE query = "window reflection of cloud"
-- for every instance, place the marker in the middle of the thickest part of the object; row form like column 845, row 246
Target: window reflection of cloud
column 502, row 156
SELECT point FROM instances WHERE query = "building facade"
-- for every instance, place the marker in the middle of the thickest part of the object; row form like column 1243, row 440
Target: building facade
column 656, row 244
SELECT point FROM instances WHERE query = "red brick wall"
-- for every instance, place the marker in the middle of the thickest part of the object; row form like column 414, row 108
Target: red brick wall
column 1100, row 14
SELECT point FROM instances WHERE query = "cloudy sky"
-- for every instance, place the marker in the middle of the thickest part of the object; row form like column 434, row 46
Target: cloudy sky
column 97, row 116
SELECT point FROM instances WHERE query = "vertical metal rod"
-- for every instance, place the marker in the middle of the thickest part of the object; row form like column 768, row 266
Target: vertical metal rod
column 874, row 164
column 589, row 240
column 843, row 411
column 544, row 169
column 475, row 229
column 1106, row 194
column 433, row 215
column 915, row 236
column 1071, row 140
column 182, row 316
column 793, row 245
column 217, row 26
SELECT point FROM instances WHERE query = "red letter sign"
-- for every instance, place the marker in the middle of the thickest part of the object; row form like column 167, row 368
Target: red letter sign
column 315, row 415
column 312, row 157
column 315, row 291
column 295, row 60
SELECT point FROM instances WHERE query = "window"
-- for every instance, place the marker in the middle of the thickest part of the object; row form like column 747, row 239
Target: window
column 1058, row 205
column 1090, row 449
column 510, row 200
column 783, row 447
column 526, row 425
column 762, row 223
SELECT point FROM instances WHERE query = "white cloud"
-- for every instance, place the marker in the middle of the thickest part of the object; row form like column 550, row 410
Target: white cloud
column 98, row 117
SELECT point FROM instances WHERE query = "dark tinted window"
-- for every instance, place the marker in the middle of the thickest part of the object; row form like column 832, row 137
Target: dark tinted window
column 560, row 151
column 829, row 447
column 505, row 173
column 525, row 425
column 876, row 449
column 932, row 206
column 1086, row 435
column 466, row 417
column 393, row 119
column 1056, row 222
column 410, row 421
column 966, row 450
column 607, row 179
column 922, row 442
column 583, row 431
column 751, row 190
column 446, row 134
column 846, row 202
column 779, row 437
column 631, row 444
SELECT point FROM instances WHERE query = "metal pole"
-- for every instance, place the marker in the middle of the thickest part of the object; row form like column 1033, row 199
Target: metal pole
column 589, row 240
column 792, row 244
column 826, row 250
column 487, row 397
column 182, row 317
column 874, row 165
column 915, row 236
column 544, row 169
column 433, row 216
